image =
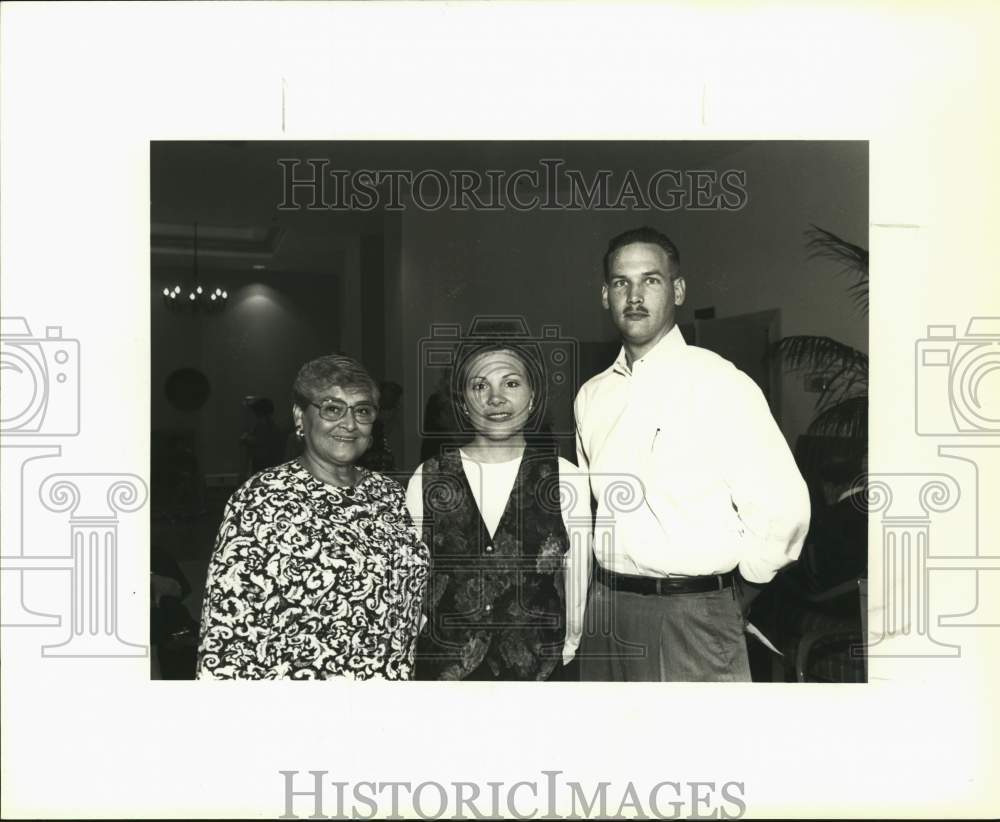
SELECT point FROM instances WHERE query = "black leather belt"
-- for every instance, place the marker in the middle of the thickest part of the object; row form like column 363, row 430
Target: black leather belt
column 664, row 585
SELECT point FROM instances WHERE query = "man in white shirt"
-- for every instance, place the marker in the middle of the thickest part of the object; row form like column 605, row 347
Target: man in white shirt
column 711, row 491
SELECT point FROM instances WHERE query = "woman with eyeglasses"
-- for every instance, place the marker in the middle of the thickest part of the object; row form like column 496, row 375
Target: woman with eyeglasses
column 507, row 524
column 317, row 571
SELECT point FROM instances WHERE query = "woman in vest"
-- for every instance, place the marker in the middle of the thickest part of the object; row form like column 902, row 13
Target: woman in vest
column 497, row 515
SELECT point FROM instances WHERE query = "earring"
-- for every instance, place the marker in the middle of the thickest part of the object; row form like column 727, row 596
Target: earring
column 299, row 433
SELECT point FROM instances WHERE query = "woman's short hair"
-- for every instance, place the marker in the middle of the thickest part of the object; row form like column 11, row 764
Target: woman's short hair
column 332, row 370
column 529, row 356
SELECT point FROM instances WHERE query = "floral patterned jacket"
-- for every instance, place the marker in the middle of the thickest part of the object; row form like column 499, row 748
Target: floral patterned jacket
column 308, row 581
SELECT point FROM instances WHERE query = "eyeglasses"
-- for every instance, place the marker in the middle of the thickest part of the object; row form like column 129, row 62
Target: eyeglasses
column 333, row 411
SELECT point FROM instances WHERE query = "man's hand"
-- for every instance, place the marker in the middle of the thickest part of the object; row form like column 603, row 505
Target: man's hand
column 748, row 592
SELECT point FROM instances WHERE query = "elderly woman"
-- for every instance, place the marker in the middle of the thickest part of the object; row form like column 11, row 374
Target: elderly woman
column 507, row 590
column 317, row 572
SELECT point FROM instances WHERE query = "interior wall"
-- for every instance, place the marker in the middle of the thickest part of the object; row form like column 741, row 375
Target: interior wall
column 395, row 310
column 755, row 259
column 304, row 304
column 456, row 265
column 448, row 266
column 271, row 325
column 546, row 265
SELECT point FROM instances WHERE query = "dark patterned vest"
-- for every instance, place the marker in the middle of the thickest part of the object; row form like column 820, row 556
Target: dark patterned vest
column 495, row 605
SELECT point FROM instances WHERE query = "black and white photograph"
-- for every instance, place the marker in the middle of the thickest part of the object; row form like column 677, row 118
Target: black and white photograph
column 449, row 410
column 590, row 441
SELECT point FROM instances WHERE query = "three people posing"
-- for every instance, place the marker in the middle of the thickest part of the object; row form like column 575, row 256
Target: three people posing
column 320, row 570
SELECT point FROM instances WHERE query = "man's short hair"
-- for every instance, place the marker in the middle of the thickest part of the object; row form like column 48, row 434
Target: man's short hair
column 644, row 234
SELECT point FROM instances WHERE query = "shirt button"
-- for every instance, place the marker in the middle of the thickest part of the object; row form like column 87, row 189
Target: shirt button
column 489, row 548
column 489, row 608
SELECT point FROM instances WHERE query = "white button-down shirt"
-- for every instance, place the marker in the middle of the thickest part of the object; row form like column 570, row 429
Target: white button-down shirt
column 689, row 469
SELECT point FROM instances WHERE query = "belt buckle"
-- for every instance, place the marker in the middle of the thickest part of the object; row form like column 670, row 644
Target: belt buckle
column 667, row 585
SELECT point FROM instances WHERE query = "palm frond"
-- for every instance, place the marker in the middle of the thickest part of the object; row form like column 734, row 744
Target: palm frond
column 821, row 355
column 845, row 419
column 852, row 259
column 850, row 381
column 842, row 404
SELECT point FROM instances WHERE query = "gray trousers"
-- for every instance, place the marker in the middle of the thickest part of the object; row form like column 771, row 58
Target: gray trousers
column 663, row 638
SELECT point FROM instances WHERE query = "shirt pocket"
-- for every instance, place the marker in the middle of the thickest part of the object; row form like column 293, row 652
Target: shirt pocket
column 680, row 467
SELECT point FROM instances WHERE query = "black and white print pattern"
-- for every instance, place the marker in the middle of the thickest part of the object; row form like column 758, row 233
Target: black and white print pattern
column 309, row 581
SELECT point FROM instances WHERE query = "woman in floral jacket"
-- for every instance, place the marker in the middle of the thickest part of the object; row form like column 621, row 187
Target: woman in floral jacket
column 317, row 572
column 506, row 593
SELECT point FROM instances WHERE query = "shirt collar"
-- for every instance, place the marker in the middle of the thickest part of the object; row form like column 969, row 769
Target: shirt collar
column 672, row 342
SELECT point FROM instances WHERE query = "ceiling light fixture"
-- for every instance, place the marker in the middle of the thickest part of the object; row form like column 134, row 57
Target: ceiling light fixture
column 197, row 298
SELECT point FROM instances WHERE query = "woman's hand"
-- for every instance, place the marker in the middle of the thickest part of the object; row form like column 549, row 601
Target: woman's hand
column 569, row 649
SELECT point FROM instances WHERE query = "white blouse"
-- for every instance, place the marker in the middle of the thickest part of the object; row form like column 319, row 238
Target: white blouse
column 491, row 484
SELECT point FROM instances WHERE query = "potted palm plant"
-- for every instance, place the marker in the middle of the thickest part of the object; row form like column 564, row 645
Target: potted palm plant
column 819, row 628
column 839, row 371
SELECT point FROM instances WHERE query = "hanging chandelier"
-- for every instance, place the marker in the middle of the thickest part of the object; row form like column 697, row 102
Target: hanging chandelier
column 196, row 297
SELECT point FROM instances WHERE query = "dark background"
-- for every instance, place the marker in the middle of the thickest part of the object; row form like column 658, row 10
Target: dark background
column 373, row 284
